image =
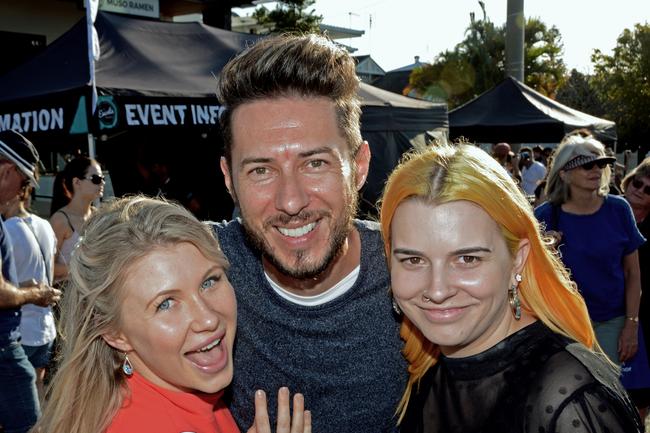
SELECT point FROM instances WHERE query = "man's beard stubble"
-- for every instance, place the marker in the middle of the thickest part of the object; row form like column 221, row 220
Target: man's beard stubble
column 338, row 237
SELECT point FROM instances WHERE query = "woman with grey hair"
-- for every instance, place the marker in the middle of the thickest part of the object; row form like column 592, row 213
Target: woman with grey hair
column 598, row 241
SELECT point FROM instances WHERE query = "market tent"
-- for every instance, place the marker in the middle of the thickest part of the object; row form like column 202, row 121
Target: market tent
column 515, row 113
column 156, row 89
column 139, row 59
column 390, row 122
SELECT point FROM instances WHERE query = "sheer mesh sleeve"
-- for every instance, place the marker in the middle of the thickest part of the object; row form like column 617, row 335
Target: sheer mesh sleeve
column 592, row 412
column 572, row 397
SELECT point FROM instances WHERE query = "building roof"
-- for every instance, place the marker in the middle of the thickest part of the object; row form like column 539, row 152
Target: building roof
column 335, row 32
column 367, row 65
column 412, row 66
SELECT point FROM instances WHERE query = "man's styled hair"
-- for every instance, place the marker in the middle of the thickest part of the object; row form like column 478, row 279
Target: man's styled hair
column 292, row 65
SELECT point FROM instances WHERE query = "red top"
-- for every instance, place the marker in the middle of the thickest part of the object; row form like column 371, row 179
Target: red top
column 152, row 409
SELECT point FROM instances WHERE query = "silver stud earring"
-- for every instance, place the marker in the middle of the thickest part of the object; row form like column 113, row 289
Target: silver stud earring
column 127, row 368
column 513, row 297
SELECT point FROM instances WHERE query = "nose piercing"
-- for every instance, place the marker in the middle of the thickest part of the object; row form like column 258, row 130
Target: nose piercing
column 425, row 298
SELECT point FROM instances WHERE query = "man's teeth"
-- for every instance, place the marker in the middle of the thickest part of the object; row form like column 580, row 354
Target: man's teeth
column 300, row 231
column 210, row 346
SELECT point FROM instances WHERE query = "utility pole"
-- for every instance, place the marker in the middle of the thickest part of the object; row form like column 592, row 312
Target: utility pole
column 515, row 28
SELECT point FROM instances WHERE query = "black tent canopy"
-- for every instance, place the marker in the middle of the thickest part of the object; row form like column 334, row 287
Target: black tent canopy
column 174, row 63
column 156, row 82
column 390, row 122
column 513, row 112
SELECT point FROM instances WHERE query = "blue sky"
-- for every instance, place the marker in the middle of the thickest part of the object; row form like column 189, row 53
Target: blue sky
column 402, row 29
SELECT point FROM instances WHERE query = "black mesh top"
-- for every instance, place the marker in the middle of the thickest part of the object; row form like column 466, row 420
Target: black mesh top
column 534, row 381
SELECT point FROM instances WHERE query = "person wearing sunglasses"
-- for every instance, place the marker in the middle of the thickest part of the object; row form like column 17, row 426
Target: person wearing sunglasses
column 19, row 407
column 598, row 241
column 636, row 188
column 75, row 189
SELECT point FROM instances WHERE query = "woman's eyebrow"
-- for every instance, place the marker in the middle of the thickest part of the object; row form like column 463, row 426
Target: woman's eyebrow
column 470, row 250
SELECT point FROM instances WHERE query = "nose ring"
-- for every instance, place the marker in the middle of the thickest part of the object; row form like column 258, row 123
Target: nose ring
column 425, row 298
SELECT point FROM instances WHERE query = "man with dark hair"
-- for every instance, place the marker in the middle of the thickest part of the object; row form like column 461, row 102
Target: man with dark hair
column 532, row 171
column 311, row 281
column 19, row 406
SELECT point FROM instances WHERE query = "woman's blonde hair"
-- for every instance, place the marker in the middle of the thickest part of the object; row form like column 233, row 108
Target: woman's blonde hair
column 641, row 170
column 573, row 145
column 88, row 388
column 449, row 173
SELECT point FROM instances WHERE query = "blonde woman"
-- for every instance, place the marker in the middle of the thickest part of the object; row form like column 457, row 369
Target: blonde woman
column 148, row 322
column 599, row 241
column 496, row 336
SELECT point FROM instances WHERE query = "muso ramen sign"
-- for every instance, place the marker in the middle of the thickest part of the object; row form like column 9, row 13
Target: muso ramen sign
column 145, row 8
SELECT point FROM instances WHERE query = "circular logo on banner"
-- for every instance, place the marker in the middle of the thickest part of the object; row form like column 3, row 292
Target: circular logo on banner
column 106, row 113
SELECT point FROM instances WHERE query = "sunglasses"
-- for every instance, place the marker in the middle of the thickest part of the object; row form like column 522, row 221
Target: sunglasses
column 636, row 183
column 96, row 179
column 25, row 180
column 589, row 165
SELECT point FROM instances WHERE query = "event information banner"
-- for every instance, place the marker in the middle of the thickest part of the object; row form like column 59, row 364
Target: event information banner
column 143, row 8
column 117, row 113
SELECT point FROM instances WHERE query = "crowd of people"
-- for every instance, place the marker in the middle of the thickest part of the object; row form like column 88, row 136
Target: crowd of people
column 465, row 308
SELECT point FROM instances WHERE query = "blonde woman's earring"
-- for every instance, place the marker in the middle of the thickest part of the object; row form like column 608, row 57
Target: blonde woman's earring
column 127, row 368
column 396, row 307
column 513, row 297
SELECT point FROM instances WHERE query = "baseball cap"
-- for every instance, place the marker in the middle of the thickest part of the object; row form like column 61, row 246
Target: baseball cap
column 19, row 150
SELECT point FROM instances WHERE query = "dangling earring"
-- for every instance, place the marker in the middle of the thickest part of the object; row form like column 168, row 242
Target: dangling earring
column 127, row 368
column 513, row 297
column 396, row 307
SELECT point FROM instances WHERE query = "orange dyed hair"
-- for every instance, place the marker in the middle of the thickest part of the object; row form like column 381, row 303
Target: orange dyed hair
column 449, row 173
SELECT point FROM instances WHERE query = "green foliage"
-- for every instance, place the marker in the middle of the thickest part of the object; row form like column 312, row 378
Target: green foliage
column 544, row 69
column 478, row 63
column 289, row 16
column 622, row 81
column 578, row 92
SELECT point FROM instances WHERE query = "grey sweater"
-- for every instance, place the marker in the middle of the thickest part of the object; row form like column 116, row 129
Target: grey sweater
column 344, row 355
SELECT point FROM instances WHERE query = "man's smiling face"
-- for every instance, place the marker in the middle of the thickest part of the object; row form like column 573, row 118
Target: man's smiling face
column 293, row 177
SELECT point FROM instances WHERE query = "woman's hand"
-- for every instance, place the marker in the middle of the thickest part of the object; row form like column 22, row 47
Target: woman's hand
column 628, row 342
column 299, row 422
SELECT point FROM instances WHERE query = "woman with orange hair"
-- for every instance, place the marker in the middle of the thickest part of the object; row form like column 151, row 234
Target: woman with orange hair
column 496, row 335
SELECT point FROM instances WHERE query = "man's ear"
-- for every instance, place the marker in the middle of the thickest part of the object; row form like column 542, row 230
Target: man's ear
column 117, row 341
column 362, row 162
column 226, row 174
